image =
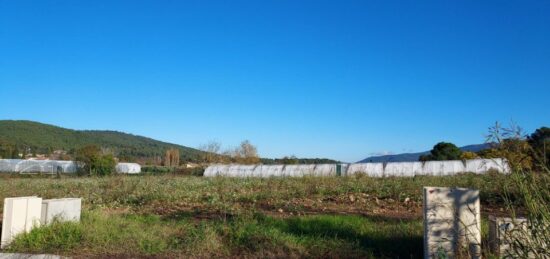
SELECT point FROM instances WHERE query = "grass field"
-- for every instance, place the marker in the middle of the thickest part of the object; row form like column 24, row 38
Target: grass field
column 169, row 216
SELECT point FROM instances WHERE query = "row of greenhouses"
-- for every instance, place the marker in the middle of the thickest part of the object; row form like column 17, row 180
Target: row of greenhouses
column 55, row 166
column 434, row 168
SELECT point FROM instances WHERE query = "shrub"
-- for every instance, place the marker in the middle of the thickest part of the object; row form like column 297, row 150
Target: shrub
column 92, row 161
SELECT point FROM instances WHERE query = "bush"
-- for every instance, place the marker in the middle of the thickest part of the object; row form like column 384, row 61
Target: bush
column 156, row 169
column 92, row 161
column 195, row 171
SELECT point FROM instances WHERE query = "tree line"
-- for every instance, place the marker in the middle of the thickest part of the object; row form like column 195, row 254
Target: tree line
column 520, row 149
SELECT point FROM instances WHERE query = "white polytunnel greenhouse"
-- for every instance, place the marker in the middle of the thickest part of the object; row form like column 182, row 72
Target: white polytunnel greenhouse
column 370, row 169
column 443, row 167
column 403, row 169
column 324, row 170
column 483, row 165
column 391, row 169
column 128, row 168
column 298, row 170
column 267, row 170
column 37, row 166
column 22, row 166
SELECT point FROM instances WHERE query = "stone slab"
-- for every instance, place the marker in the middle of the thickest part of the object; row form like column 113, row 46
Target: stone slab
column 502, row 231
column 66, row 209
column 452, row 222
column 21, row 214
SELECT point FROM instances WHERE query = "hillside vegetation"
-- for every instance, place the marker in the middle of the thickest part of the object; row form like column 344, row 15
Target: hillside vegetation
column 39, row 138
column 43, row 138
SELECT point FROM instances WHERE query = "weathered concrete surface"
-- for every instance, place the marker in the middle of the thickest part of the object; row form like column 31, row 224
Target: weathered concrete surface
column 66, row 209
column 452, row 223
column 21, row 214
column 502, row 231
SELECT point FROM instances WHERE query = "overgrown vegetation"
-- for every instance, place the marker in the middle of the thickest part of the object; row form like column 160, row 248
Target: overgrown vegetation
column 166, row 215
column 531, row 188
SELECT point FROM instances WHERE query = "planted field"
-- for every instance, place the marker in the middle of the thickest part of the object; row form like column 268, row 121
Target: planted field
column 167, row 216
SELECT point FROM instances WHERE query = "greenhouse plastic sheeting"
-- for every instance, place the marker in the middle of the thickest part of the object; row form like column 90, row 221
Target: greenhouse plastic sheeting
column 54, row 166
column 37, row 166
column 241, row 170
column 480, row 166
column 370, row 169
column 128, row 168
column 403, row 169
column 298, row 170
column 216, row 170
column 443, row 167
column 432, row 168
column 268, row 170
column 435, row 168
column 324, row 170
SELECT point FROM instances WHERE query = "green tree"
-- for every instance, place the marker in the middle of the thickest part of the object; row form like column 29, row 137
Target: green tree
column 468, row 155
column 15, row 153
column 104, row 165
column 443, row 151
column 92, row 161
column 540, row 142
column 289, row 160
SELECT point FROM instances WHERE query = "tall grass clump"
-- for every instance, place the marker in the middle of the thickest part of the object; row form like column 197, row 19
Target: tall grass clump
column 530, row 182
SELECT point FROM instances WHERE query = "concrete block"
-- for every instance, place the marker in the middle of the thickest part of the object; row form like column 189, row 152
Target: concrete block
column 502, row 231
column 21, row 214
column 452, row 222
column 66, row 209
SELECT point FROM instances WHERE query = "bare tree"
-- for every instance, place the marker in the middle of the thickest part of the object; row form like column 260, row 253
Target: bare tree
column 211, row 152
column 246, row 153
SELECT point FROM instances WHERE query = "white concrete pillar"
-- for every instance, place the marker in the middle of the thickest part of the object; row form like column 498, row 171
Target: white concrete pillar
column 21, row 214
column 452, row 222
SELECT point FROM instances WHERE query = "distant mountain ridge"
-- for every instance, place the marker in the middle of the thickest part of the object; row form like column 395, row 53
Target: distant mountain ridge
column 411, row 157
column 41, row 137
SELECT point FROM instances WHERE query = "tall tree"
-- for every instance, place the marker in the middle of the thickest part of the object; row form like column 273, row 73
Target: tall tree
column 211, row 152
column 540, row 142
column 172, row 157
column 443, row 151
column 245, row 153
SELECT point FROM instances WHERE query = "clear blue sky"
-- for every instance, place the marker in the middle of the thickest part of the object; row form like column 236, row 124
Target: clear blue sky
column 337, row 79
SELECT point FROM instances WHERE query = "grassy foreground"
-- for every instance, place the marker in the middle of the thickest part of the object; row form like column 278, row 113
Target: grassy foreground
column 169, row 216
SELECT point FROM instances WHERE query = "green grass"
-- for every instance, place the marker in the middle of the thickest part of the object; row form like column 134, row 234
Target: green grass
column 167, row 216
column 257, row 236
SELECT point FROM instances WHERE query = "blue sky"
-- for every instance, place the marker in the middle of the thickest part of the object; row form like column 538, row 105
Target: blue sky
column 337, row 79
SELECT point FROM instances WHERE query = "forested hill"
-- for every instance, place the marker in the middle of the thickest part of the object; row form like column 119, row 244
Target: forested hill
column 43, row 138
